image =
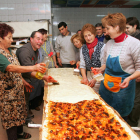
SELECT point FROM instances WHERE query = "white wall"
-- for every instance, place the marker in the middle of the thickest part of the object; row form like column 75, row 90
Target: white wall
column 77, row 17
column 24, row 10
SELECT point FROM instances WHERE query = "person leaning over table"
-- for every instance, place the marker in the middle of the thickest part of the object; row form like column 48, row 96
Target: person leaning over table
column 12, row 100
column 77, row 41
column 28, row 56
column 45, row 49
column 91, row 55
column 121, row 65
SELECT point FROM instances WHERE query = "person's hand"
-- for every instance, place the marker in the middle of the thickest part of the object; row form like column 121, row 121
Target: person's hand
column 125, row 83
column 59, row 61
column 92, row 83
column 56, row 66
column 138, row 79
column 27, row 86
column 72, row 62
column 40, row 67
column 49, row 79
column 84, row 81
column 78, row 63
column 98, row 70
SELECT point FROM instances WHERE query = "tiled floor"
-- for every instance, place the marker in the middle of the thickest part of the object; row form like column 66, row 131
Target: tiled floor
column 33, row 131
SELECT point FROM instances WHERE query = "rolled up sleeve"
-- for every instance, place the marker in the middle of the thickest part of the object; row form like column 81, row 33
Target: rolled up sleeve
column 57, row 46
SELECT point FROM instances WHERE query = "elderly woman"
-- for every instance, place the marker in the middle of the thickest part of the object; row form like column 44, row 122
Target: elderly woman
column 90, row 55
column 121, row 65
column 12, row 101
column 77, row 40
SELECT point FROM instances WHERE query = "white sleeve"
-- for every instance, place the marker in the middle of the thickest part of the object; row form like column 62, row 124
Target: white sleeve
column 57, row 46
column 82, row 61
column 135, row 52
column 102, row 55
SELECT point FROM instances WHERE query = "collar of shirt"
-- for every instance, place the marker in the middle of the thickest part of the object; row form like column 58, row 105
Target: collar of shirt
column 68, row 34
column 100, row 35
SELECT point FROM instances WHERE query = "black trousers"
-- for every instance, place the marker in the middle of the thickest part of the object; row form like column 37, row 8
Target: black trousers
column 27, row 95
column 68, row 66
column 134, row 116
column 14, row 131
column 36, row 101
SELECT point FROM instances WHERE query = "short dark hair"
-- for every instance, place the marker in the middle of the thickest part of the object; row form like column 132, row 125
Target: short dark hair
column 5, row 29
column 132, row 21
column 62, row 24
column 78, row 31
column 33, row 34
column 99, row 25
column 42, row 31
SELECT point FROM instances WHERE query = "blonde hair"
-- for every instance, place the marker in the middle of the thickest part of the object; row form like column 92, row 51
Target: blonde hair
column 114, row 20
column 78, row 37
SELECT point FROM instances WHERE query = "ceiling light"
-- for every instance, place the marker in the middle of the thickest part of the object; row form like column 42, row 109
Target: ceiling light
column 101, row 15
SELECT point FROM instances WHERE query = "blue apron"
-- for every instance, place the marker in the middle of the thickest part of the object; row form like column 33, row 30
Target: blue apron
column 121, row 100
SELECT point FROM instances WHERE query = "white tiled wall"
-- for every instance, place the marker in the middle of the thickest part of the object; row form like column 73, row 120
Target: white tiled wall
column 24, row 10
column 77, row 17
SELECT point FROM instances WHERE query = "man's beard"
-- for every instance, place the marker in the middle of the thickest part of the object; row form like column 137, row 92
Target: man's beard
column 107, row 37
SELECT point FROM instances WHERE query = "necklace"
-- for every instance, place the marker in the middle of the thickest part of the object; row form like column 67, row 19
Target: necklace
column 6, row 50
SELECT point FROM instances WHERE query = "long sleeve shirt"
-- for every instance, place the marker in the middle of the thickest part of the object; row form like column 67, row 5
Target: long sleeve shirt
column 128, row 52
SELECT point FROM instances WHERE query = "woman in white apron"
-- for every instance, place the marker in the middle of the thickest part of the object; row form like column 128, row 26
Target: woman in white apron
column 90, row 56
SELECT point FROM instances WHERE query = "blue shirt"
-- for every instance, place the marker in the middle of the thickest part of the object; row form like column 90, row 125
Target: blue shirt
column 100, row 38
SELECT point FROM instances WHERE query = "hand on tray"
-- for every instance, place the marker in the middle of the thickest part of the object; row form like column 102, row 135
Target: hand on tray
column 84, row 81
column 49, row 79
column 92, row 83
